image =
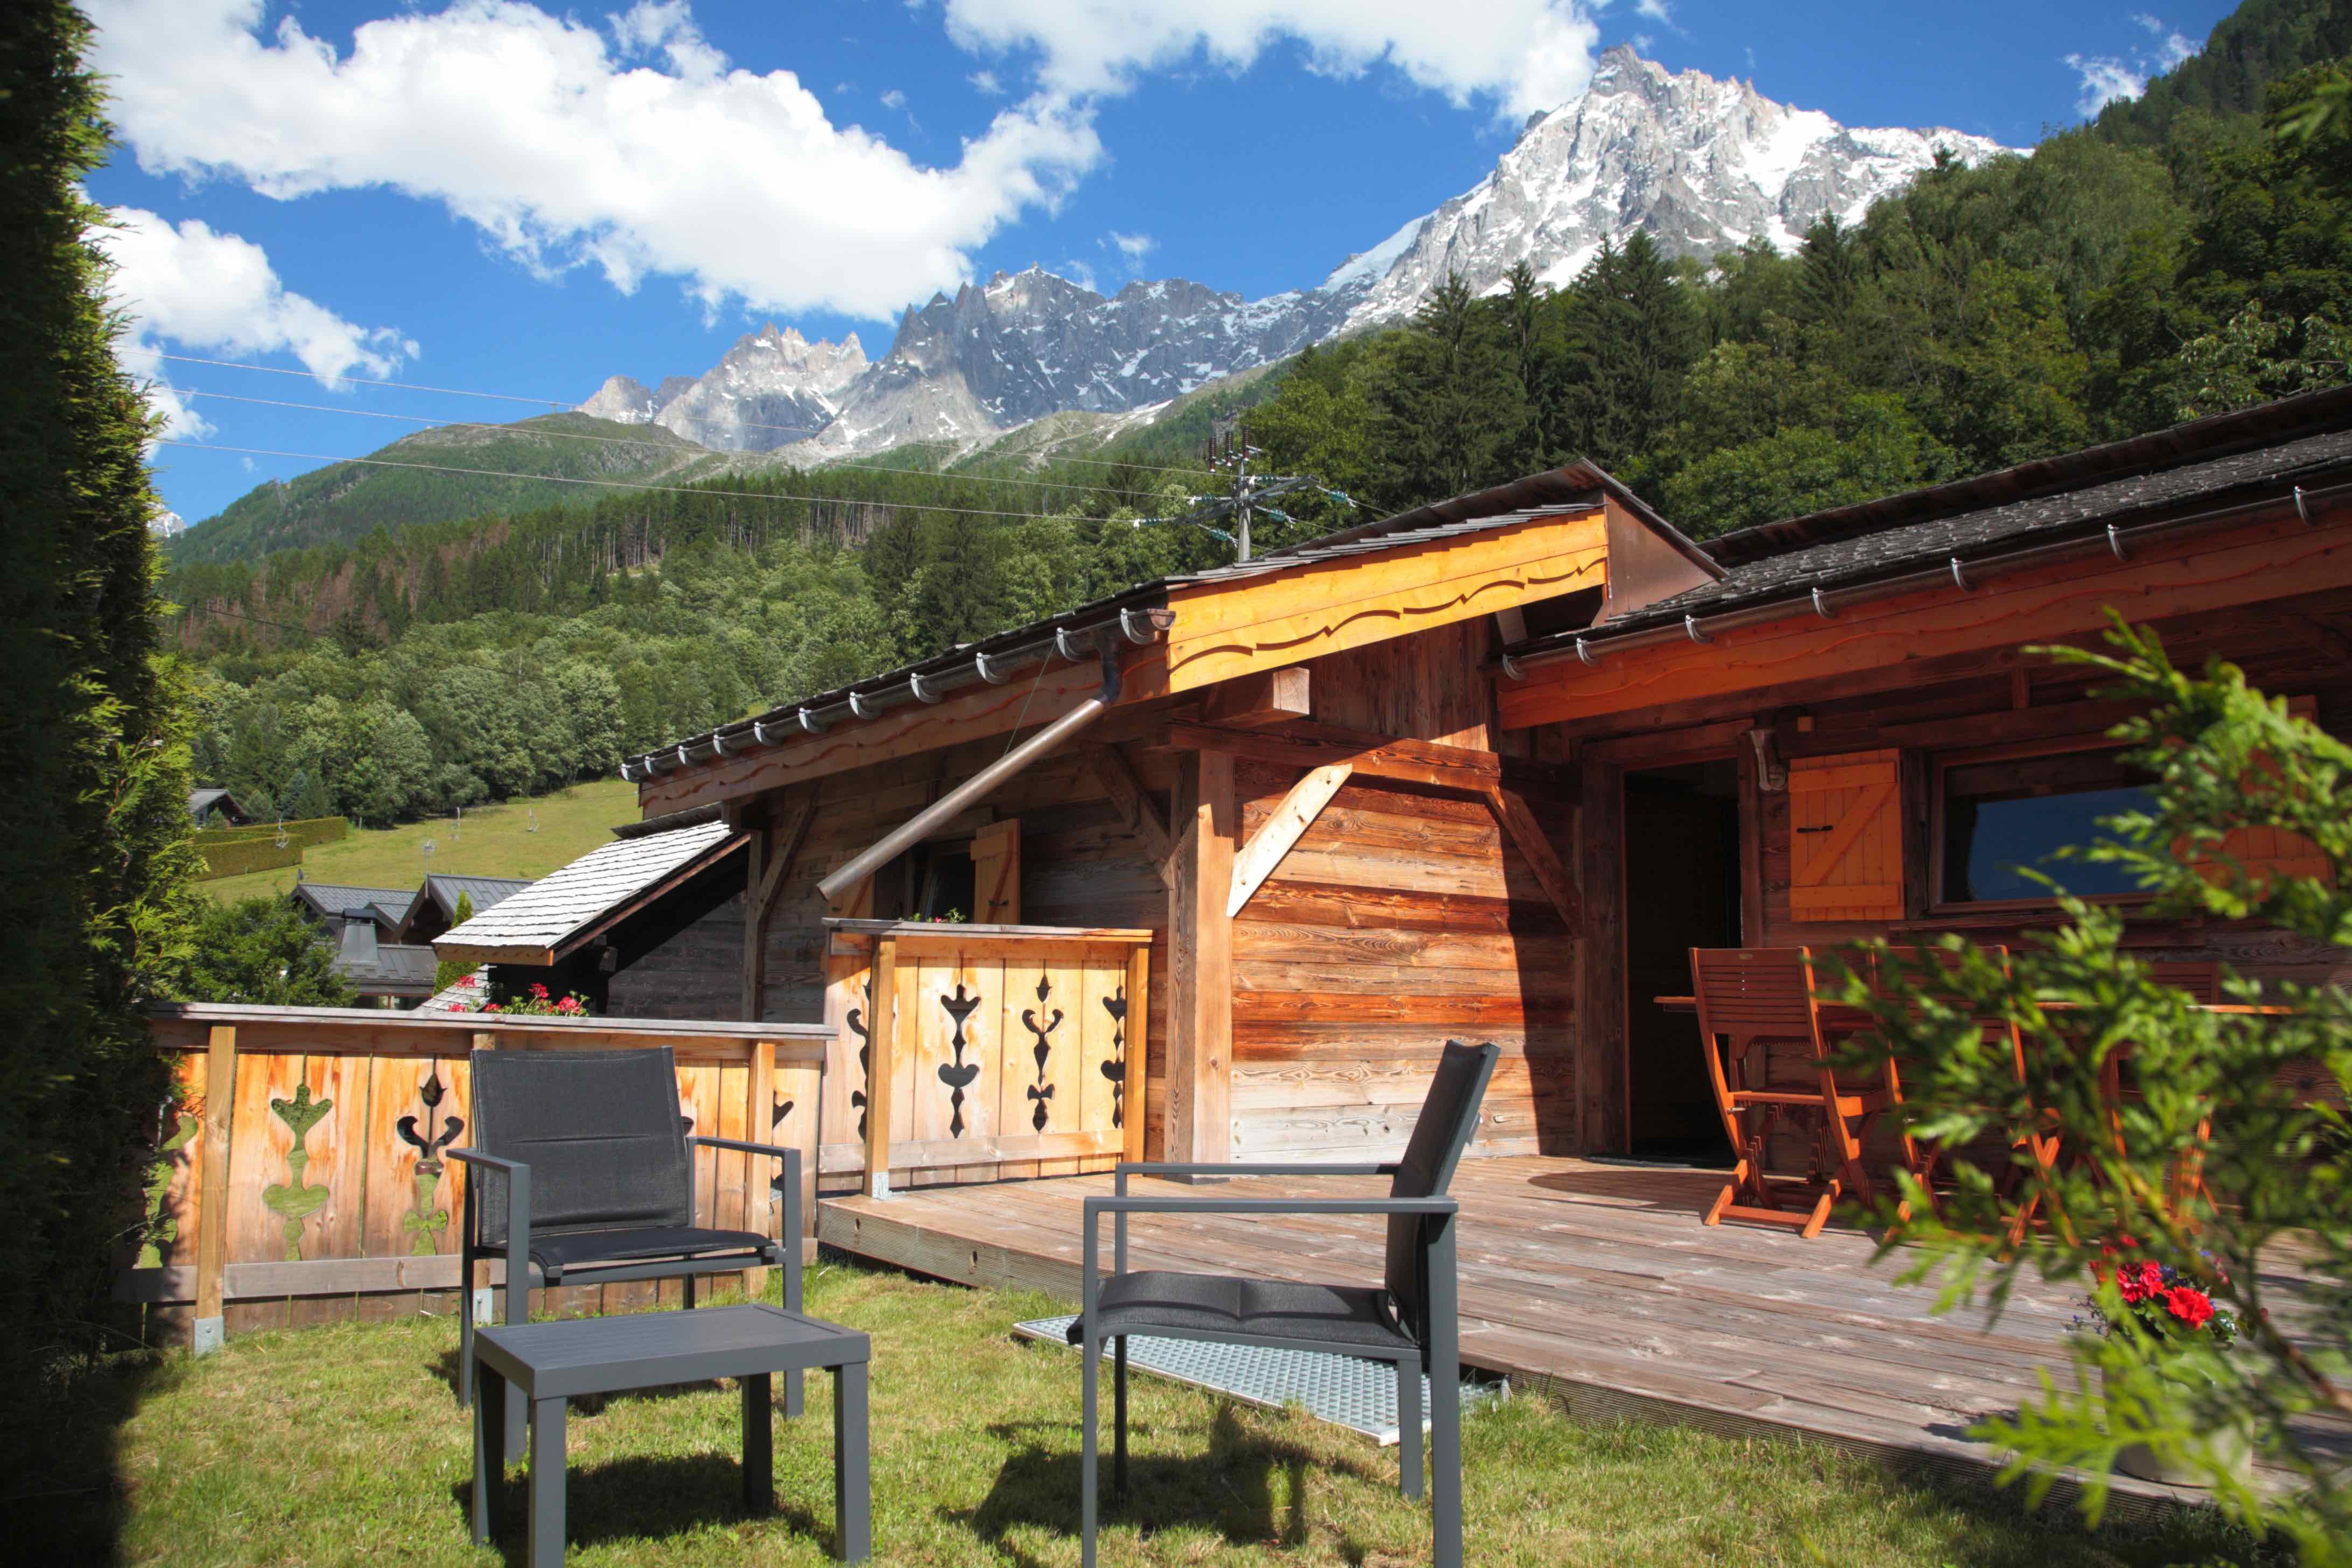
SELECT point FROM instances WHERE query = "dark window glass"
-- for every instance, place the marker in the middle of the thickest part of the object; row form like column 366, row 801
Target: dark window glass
column 1999, row 816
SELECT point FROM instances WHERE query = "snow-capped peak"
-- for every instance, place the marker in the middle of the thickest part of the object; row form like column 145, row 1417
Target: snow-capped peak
column 1701, row 165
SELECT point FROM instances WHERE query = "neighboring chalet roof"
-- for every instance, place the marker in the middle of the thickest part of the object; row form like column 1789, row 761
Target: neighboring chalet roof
column 2203, row 464
column 1578, row 490
column 394, row 970
column 203, row 803
column 333, row 900
column 443, row 890
column 540, row 923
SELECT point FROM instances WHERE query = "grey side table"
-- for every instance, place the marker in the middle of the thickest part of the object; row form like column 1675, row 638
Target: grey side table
column 551, row 1362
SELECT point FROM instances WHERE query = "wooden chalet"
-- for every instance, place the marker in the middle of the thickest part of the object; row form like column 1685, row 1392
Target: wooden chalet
column 1208, row 872
column 1491, row 767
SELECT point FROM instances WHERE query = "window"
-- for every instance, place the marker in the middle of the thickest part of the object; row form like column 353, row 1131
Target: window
column 1999, row 816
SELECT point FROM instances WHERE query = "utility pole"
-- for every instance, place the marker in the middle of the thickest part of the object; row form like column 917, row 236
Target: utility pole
column 1229, row 450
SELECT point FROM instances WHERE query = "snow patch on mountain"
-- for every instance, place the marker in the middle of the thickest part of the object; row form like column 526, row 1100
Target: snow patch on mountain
column 1700, row 166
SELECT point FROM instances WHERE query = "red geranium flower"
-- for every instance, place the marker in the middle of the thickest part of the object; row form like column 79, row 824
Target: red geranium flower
column 539, row 990
column 2191, row 1306
column 470, row 980
column 2138, row 1281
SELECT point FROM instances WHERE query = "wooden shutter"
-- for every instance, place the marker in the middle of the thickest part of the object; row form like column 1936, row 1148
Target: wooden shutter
column 1845, row 848
column 2266, row 852
column 996, row 874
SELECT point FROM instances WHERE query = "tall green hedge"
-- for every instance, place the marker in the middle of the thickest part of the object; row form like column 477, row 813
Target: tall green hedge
column 94, row 858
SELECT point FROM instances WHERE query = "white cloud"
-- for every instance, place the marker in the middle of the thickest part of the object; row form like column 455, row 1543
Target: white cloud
column 1520, row 55
column 894, row 99
column 986, row 84
column 1655, row 10
column 2107, row 79
column 639, row 152
column 216, row 293
column 1134, row 246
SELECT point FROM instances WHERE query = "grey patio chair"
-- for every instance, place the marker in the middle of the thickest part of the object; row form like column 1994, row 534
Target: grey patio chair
column 1412, row 1320
column 582, row 1174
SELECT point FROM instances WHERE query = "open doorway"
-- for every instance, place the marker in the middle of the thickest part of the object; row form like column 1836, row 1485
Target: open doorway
column 1681, row 890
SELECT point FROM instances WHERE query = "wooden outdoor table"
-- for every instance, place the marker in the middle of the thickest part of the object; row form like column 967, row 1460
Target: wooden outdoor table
column 552, row 1362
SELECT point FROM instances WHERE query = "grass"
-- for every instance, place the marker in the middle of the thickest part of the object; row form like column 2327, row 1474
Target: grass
column 490, row 841
column 342, row 1445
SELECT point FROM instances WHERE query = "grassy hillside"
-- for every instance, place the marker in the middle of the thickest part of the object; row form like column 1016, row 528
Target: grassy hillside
column 343, row 501
column 492, row 841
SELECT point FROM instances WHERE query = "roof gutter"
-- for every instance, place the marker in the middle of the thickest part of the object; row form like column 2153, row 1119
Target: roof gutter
column 1074, row 645
column 1966, row 574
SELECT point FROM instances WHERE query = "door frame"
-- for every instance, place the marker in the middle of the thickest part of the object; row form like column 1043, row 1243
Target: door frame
column 1604, row 1065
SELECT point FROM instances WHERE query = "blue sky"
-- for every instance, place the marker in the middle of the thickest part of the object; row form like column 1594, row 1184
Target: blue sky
column 495, row 197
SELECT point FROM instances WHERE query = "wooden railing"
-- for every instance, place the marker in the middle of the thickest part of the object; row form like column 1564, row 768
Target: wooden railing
column 307, row 1178
column 967, row 1052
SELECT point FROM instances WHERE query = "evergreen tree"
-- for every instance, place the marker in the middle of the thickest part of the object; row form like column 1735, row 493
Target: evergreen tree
column 94, row 825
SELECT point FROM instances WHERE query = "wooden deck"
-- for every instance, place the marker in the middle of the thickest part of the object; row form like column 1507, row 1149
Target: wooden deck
column 1596, row 1278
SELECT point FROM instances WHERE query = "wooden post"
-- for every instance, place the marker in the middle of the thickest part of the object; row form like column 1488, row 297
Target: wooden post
column 1601, row 1108
column 1136, row 1089
column 759, row 1127
column 881, row 1030
column 775, row 844
column 755, row 925
column 212, row 1201
column 477, row 1295
column 1200, row 962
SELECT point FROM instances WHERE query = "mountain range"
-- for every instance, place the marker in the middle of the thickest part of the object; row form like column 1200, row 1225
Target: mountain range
column 1698, row 164
column 1701, row 165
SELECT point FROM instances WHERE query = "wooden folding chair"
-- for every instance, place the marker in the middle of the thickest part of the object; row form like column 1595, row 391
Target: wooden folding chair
column 1750, row 1001
column 2202, row 984
column 2038, row 1136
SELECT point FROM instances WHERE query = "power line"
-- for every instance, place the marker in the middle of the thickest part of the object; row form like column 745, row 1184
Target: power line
column 433, row 424
column 561, row 406
column 614, row 484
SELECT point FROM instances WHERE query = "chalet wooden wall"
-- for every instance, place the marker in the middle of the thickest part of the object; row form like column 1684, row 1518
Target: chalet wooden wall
column 2300, row 648
column 1431, row 687
column 1401, row 919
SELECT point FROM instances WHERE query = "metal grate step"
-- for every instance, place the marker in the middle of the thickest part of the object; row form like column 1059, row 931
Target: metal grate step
column 1343, row 1390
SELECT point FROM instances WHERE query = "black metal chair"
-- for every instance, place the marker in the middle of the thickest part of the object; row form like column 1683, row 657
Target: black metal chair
column 1412, row 1320
column 582, row 1174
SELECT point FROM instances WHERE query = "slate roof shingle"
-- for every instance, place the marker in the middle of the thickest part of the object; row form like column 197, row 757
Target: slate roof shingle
column 1776, row 561
column 561, row 903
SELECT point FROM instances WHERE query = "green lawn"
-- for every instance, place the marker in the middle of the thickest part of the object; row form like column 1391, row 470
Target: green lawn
column 342, row 1445
column 492, row 841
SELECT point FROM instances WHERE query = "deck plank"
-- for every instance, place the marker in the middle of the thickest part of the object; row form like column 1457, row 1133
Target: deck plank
column 1598, row 1279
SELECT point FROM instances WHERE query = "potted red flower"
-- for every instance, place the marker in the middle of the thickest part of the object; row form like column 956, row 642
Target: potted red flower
column 2169, row 1312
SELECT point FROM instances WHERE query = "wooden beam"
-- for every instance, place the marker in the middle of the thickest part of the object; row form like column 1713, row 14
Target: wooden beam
column 1425, row 763
column 1511, row 812
column 1200, row 954
column 880, row 1039
column 1277, row 833
column 1229, row 628
column 773, row 848
column 1135, row 1087
column 2188, row 574
column 212, row 1200
column 1117, row 776
column 1267, row 696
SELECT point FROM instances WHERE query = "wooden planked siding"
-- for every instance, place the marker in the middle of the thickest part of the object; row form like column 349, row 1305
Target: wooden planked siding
column 1400, row 920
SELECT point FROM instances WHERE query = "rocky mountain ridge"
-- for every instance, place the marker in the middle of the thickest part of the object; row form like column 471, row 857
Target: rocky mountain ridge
column 1700, row 164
